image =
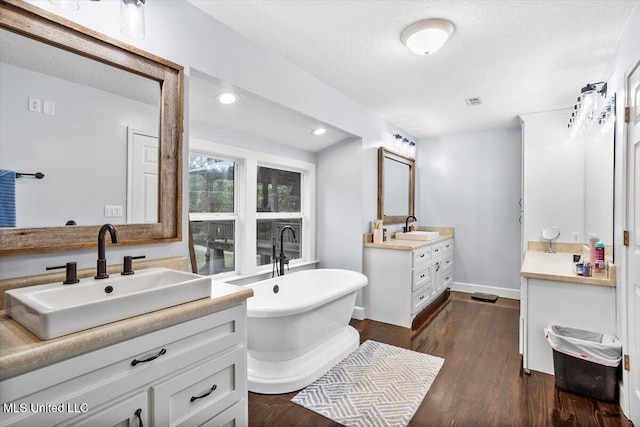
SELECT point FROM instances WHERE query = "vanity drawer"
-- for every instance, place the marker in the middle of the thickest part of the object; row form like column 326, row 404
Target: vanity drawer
column 421, row 255
column 235, row 416
column 447, row 247
column 447, row 278
column 420, row 299
column 421, row 276
column 202, row 392
column 94, row 377
column 447, row 262
column 436, row 250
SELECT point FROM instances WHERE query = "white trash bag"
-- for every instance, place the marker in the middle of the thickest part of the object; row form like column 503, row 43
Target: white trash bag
column 603, row 349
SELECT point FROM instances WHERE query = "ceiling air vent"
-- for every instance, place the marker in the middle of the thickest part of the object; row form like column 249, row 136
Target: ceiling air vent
column 476, row 100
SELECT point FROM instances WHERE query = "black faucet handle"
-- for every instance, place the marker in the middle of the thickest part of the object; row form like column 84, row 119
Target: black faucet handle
column 71, row 272
column 127, row 267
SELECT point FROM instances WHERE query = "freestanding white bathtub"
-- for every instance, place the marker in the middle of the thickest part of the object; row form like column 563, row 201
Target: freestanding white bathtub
column 298, row 327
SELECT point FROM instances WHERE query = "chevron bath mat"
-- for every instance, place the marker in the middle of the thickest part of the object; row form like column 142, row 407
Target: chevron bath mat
column 377, row 385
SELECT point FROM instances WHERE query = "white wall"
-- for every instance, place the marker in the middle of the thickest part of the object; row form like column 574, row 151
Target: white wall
column 181, row 33
column 472, row 182
column 338, row 197
column 598, row 181
column 77, row 135
column 620, row 65
column 553, row 177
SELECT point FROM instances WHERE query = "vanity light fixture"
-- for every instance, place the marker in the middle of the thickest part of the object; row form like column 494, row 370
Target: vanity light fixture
column 227, row 98
column 66, row 4
column 319, row 131
column 427, row 36
column 403, row 145
column 586, row 106
column 132, row 18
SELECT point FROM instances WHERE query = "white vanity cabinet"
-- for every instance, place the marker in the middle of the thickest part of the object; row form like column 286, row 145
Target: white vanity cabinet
column 403, row 282
column 191, row 373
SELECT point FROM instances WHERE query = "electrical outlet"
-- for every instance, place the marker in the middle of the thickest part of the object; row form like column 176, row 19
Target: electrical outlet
column 576, row 236
column 112, row 211
column 35, row 105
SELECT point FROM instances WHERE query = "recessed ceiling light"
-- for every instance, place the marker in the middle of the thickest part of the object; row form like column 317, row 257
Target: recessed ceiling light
column 227, row 98
column 427, row 36
column 319, row 131
column 472, row 102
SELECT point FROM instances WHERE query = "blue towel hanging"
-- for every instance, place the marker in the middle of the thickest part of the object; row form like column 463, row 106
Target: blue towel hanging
column 7, row 198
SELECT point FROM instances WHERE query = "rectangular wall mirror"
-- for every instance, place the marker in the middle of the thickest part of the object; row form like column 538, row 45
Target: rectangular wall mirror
column 101, row 120
column 396, row 186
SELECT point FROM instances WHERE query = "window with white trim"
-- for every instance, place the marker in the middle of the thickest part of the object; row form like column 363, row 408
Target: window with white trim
column 212, row 213
column 237, row 212
column 278, row 206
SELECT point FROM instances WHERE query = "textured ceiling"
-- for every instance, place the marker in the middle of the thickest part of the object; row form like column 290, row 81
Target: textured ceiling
column 518, row 56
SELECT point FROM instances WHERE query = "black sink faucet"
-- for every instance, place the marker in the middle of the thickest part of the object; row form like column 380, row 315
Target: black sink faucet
column 101, row 271
column 283, row 258
column 406, row 223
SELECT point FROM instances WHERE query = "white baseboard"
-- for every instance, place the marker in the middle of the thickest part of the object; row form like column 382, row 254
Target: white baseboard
column 471, row 288
column 359, row 313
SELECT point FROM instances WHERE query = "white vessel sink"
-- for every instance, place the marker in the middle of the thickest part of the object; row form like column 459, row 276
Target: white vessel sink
column 54, row 309
column 418, row 235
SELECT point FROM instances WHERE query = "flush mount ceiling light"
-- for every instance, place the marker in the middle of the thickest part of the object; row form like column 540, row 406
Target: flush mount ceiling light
column 132, row 18
column 427, row 36
column 319, row 131
column 227, row 98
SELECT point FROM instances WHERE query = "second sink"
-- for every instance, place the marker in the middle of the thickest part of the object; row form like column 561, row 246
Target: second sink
column 418, row 235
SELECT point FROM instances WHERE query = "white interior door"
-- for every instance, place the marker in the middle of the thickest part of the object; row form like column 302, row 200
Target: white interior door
column 633, row 251
column 142, row 180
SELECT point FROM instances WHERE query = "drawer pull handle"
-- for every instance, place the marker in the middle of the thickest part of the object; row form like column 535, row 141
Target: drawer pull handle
column 421, row 296
column 139, row 415
column 422, row 276
column 194, row 398
column 437, row 266
column 134, row 362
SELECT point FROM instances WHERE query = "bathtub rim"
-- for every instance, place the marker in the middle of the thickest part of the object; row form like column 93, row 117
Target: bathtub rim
column 360, row 281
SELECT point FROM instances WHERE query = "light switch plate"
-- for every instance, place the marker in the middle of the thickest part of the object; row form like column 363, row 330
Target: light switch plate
column 49, row 108
column 112, row 211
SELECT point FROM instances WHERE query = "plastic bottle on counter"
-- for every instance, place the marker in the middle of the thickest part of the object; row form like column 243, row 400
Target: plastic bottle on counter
column 592, row 249
column 599, row 255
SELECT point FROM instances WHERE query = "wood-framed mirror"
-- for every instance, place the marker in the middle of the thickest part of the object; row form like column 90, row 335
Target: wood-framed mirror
column 26, row 21
column 396, row 186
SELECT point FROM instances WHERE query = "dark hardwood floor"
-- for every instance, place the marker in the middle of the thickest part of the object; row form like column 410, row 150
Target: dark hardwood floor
column 480, row 384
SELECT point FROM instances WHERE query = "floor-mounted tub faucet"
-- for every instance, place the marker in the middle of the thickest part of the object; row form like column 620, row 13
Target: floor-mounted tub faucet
column 101, row 271
column 282, row 259
column 406, row 228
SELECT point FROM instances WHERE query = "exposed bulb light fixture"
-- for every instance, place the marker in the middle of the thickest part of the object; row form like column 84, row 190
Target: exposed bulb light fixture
column 227, row 98
column 427, row 36
column 132, row 18
column 585, row 108
column 66, row 4
column 403, row 145
column 319, row 131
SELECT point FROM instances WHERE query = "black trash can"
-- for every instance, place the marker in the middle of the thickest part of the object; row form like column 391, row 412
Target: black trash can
column 584, row 362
